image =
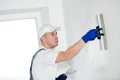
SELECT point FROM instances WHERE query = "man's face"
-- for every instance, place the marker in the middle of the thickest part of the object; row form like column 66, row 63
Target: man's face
column 51, row 39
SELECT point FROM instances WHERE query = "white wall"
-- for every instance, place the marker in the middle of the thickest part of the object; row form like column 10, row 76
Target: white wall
column 92, row 63
column 54, row 8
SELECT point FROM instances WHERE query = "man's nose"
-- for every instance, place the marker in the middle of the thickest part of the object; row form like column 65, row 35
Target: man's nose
column 56, row 37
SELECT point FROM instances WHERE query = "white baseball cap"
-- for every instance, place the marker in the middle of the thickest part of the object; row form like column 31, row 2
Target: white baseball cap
column 47, row 28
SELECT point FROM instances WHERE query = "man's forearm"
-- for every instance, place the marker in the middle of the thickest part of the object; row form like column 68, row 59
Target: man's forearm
column 74, row 49
column 70, row 52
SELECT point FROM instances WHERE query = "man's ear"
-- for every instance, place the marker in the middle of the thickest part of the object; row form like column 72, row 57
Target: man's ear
column 43, row 39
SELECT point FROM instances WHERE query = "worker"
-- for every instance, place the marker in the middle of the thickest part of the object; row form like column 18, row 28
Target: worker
column 45, row 62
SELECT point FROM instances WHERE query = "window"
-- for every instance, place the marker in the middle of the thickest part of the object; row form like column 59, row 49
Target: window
column 18, row 42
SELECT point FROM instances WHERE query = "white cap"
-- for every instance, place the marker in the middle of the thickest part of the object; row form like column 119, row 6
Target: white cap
column 47, row 28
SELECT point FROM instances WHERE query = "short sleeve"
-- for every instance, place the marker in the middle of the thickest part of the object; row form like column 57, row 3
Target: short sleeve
column 48, row 56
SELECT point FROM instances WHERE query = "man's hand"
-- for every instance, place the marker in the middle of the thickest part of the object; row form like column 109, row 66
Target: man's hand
column 91, row 35
column 61, row 77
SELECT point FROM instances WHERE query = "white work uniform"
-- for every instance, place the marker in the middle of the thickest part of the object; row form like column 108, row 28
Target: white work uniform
column 44, row 66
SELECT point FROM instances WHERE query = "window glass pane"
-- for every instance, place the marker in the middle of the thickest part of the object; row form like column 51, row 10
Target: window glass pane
column 18, row 42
